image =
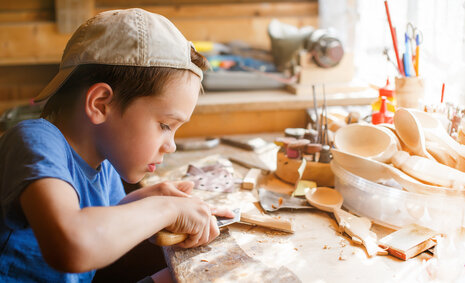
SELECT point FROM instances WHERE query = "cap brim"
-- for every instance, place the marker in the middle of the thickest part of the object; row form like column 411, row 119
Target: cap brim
column 55, row 84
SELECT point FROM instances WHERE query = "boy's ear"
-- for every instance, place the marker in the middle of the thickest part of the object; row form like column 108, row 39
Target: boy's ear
column 97, row 102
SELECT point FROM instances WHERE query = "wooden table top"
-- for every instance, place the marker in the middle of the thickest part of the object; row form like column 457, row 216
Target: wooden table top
column 316, row 252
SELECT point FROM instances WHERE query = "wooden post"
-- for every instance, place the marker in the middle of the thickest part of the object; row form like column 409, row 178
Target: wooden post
column 70, row 14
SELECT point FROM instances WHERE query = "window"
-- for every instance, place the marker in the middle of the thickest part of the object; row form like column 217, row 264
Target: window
column 442, row 53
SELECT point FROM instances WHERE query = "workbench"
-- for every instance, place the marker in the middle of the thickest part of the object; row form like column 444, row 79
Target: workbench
column 316, row 252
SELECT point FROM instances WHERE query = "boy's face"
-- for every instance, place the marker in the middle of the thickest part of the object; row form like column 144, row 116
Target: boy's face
column 136, row 141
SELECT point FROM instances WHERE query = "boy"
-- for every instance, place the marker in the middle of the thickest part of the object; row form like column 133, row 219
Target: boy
column 127, row 81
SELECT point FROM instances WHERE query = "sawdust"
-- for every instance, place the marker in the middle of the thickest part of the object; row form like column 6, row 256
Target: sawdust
column 342, row 257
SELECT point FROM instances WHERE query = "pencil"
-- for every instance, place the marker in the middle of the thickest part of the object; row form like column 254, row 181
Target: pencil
column 394, row 40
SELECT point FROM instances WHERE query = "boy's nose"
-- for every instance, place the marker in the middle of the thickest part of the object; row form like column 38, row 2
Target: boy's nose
column 169, row 147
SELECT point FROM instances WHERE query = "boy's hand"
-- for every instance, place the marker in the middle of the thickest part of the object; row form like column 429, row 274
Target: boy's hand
column 195, row 219
column 172, row 188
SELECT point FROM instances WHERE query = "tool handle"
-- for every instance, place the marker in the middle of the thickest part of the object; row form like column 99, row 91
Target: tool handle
column 166, row 238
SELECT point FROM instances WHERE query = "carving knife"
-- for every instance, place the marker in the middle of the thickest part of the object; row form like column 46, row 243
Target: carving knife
column 166, row 238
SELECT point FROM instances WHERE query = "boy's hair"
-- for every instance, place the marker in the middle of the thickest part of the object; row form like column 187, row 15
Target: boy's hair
column 127, row 82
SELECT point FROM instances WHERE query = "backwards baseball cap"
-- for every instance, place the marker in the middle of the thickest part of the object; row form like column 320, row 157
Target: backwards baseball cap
column 131, row 37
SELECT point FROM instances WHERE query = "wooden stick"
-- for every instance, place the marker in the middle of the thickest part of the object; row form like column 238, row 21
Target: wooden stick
column 267, row 221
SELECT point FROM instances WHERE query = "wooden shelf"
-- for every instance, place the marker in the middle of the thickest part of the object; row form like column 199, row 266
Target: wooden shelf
column 267, row 100
column 246, row 112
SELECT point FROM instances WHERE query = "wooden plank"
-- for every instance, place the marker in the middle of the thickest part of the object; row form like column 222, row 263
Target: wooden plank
column 8, row 5
column 299, row 9
column 222, row 266
column 26, row 16
column 39, row 42
column 184, row 2
column 214, row 124
column 31, row 43
column 220, row 10
column 267, row 100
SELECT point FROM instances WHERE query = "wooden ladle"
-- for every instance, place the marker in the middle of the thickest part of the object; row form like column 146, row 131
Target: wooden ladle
column 358, row 228
column 375, row 171
column 410, row 132
column 366, row 140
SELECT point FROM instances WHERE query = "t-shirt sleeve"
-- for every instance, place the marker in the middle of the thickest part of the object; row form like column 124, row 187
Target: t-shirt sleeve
column 29, row 153
column 116, row 188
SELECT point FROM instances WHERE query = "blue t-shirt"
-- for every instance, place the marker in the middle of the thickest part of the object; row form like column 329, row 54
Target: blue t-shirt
column 32, row 150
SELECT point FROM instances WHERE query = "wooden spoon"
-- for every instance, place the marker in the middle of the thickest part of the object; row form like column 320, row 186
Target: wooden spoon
column 410, row 132
column 429, row 171
column 434, row 131
column 375, row 171
column 441, row 154
column 367, row 141
column 324, row 198
column 358, row 228
column 392, row 130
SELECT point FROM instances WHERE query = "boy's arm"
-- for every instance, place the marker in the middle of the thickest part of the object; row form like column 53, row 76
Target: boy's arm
column 167, row 188
column 76, row 240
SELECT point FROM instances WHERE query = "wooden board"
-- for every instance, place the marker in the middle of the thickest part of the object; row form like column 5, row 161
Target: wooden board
column 43, row 10
column 230, row 266
column 219, row 9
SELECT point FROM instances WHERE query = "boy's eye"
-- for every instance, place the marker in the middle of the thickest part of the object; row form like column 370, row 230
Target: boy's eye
column 165, row 127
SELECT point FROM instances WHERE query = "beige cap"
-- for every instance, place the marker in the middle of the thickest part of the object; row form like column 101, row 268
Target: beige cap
column 132, row 37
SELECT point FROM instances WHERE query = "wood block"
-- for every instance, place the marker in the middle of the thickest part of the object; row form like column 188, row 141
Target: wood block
column 311, row 74
column 302, row 187
column 250, row 179
column 409, row 241
column 287, row 170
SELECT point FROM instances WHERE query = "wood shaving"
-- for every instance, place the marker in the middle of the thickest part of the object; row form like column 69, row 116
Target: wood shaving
column 280, row 200
column 204, row 260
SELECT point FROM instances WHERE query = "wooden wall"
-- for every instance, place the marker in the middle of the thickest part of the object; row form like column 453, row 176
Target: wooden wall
column 31, row 45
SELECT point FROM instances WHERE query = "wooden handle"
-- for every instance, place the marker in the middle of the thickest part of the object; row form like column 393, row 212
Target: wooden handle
column 267, row 221
column 166, row 238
